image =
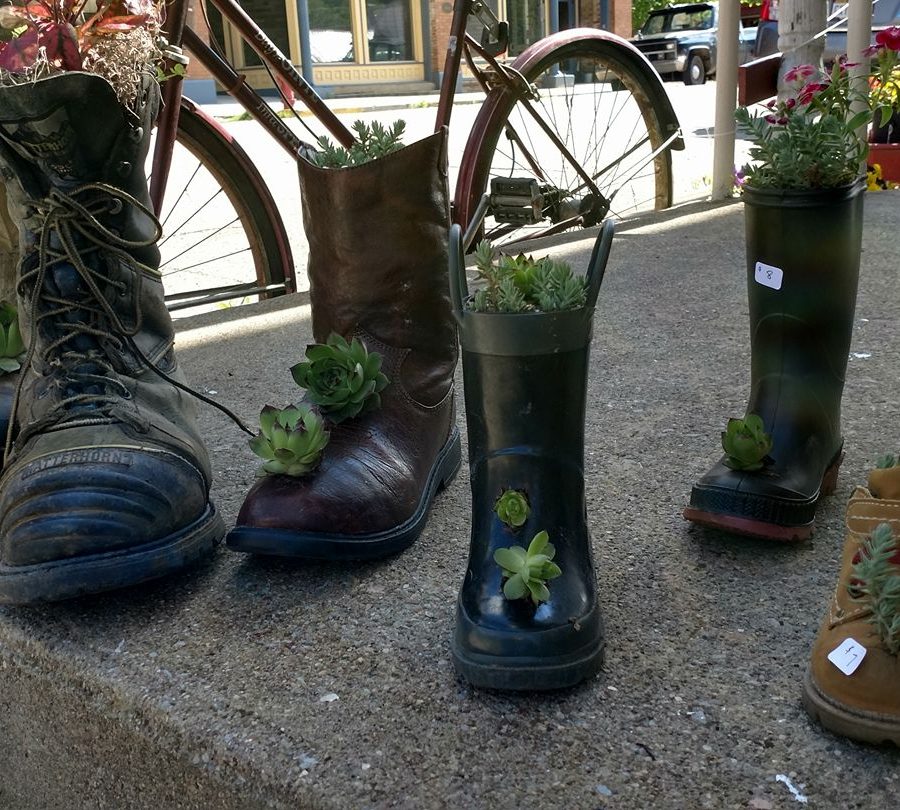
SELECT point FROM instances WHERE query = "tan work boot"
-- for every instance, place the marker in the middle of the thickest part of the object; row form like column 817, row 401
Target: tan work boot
column 853, row 683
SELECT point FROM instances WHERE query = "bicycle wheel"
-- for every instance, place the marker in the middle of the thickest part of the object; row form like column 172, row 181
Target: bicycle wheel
column 223, row 239
column 609, row 112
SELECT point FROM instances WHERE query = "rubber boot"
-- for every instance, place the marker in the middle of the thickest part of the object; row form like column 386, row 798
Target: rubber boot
column 852, row 685
column 525, row 381
column 800, row 341
column 378, row 271
column 106, row 481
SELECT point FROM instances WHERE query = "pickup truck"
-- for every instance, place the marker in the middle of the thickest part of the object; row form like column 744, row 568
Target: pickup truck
column 680, row 41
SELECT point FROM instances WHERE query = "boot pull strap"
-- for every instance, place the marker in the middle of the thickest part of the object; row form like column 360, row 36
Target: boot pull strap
column 597, row 265
column 459, row 289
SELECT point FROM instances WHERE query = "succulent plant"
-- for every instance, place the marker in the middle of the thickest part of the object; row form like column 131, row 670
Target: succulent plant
column 746, row 443
column 512, row 508
column 343, row 379
column 875, row 581
column 524, row 284
column 527, row 571
column 886, row 461
column 372, row 142
column 12, row 349
column 290, row 441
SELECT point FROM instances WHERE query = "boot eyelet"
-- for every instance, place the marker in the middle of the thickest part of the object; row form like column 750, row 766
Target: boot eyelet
column 136, row 134
column 115, row 206
column 124, row 168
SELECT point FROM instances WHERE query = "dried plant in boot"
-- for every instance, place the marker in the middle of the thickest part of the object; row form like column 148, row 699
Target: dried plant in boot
column 527, row 571
column 512, row 508
column 116, row 39
column 343, row 379
column 876, row 583
column 524, row 284
column 12, row 349
column 886, row 461
column 746, row 443
column 372, row 142
column 291, row 440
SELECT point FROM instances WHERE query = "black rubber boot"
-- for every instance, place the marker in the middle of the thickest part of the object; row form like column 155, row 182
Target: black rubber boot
column 800, row 340
column 106, row 482
column 525, row 378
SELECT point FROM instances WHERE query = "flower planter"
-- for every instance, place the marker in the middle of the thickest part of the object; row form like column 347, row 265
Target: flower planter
column 803, row 250
column 525, row 378
column 886, row 155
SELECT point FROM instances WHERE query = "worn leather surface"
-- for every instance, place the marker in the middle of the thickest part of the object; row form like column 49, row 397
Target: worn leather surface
column 378, row 270
column 800, row 340
column 525, row 419
column 92, row 479
column 874, row 688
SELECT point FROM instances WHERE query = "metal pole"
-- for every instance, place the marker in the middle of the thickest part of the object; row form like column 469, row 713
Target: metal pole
column 305, row 52
column 554, row 16
column 426, row 37
column 726, row 98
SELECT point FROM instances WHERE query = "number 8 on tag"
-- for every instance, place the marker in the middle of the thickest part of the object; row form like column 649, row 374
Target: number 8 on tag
column 768, row 275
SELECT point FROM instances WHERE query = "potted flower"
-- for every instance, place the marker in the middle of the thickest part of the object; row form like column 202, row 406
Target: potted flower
column 803, row 203
column 105, row 480
column 381, row 371
column 884, row 83
column 527, row 614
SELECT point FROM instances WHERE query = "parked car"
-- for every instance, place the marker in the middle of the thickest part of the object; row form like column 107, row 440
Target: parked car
column 885, row 13
column 680, row 41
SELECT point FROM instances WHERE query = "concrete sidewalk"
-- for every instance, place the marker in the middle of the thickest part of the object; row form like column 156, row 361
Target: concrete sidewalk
column 258, row 683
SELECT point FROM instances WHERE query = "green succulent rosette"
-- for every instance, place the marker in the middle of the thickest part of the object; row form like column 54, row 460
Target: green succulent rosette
column 291, row 440
column 343, row 379
column 746, row 443
column 12, row 349
column 527, row 571
column 512, row 508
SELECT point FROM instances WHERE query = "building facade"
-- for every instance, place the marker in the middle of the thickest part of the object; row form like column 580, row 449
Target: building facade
column 365, row 43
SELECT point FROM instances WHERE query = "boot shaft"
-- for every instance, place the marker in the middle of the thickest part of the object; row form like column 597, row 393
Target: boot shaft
column 378, row 258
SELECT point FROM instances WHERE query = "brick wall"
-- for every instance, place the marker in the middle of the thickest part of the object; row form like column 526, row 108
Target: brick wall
column 195, row 20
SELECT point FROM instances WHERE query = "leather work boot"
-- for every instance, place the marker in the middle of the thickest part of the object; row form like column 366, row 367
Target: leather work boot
column 801, row 323
column 106, row 482
column 853, row 683
column 378, row 272
column 527, row 438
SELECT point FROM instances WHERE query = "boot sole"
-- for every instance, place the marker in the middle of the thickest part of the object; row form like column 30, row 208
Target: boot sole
column 856, row 725
column 527, row 674
column 762, row 529
column 96, row 573
column 322, row 546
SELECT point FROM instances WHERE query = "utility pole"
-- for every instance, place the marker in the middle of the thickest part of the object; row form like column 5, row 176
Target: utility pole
column 798, row 23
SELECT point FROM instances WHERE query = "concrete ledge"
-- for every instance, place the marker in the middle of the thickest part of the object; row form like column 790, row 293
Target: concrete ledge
column 264, row 683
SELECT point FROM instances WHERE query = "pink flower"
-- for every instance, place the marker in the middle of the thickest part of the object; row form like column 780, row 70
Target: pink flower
column 889, row 38
column 790, row 103
column 739, row 178
column 802, row 72
column 808, row 93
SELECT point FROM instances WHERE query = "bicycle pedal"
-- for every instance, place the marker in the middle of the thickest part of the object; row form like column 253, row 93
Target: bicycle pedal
column 516, row 200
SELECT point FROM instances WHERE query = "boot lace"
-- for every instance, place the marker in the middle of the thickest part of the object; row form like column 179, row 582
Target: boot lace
column 87, row 331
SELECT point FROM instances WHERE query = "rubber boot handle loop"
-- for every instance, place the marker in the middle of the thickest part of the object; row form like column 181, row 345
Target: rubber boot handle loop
column 597, row 265
column 459, row 290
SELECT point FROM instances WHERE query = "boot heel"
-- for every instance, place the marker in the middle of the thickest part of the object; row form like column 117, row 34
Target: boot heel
column 829, row 480
column 451, row 463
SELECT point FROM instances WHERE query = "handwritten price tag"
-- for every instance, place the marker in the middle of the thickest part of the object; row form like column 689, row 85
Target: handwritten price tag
column 847, row 656
column 769, row 276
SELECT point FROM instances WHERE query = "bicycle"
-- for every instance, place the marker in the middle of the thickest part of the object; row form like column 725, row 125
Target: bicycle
column 574, row 129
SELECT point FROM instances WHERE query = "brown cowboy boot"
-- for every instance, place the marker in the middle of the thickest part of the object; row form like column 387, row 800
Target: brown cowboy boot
column 106, row 481
column 378, row 271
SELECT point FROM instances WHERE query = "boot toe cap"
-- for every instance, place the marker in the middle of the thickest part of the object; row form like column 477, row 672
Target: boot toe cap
column 96, row 501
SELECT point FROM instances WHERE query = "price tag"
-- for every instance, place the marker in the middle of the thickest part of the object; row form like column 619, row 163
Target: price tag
column 769, row 276
column 847, row 656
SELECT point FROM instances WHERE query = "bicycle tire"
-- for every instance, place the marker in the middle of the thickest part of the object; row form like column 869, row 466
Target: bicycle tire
column 248, row 226
column 613, row 77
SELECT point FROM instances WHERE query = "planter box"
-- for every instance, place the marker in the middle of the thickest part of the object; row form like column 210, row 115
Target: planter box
column 886, row 155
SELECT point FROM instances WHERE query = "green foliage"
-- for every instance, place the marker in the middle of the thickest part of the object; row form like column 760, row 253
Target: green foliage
column 524, row 284
column 512, row 508
column 342, row 379
column 371, row 143
column 12, row 349
column 886, row 461
column 876, row 583
column 527, row 571
column 177, row 70
column 808, row 139
column 746, row 443
column 290, row 441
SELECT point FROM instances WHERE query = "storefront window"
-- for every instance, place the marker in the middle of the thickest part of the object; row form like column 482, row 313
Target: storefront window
column 389, row 30
column 526, row 23
column 331, row 31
